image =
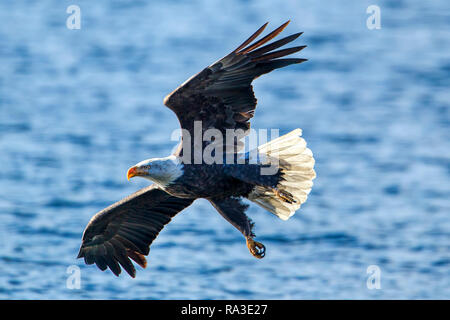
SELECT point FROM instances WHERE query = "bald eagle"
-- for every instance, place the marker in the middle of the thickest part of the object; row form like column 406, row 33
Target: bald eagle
column 220, row 98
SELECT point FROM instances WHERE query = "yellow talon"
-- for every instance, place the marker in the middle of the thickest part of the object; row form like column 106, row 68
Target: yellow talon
column 286, row 196
column 257, row 249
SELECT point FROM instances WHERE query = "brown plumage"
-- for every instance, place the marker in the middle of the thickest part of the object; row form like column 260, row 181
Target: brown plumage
column 127, row 228
column 221, row 97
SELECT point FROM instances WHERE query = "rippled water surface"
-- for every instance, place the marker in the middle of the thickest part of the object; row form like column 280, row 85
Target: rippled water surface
column 78, row 107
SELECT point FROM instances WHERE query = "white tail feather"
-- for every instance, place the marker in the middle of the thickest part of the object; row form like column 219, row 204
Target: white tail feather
column 298, row 175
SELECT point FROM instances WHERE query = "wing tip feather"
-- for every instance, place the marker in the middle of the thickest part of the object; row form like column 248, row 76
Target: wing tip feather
column 264, row 40
column 252, row 37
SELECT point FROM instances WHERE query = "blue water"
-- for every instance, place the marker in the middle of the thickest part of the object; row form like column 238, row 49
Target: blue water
column 78, row 107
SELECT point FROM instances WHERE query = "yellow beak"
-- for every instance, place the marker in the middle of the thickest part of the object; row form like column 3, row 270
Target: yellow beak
column 132, row 172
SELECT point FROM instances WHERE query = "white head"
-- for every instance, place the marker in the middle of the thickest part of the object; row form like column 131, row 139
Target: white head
column 162, row 171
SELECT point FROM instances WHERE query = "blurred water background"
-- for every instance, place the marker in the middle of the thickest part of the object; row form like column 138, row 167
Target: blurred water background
column 78, row 107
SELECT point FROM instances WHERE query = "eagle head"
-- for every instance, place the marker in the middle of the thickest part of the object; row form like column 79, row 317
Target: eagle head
column 162, row 171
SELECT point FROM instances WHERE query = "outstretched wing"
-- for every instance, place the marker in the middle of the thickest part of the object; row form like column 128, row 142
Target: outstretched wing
column 221, row 96
column 127, row 228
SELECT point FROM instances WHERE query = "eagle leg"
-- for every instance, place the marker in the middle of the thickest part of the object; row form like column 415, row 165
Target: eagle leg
column 257, row 249
column 233, row 210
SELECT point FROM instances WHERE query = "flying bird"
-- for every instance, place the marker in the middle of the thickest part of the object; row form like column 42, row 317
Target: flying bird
column 219, row 98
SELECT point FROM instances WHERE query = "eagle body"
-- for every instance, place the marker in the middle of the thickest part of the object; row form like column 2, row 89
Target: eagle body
column 215, row 182
column 215, row 101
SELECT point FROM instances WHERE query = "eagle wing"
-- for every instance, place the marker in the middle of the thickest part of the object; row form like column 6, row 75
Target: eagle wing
column 221, row 96
column 127, row 228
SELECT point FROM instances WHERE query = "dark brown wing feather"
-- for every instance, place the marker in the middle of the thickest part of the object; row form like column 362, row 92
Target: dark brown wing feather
column 127, row 228
column 221, row 96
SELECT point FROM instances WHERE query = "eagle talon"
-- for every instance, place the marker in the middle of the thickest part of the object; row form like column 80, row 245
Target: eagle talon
column 257, row 249
column 284, row 195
